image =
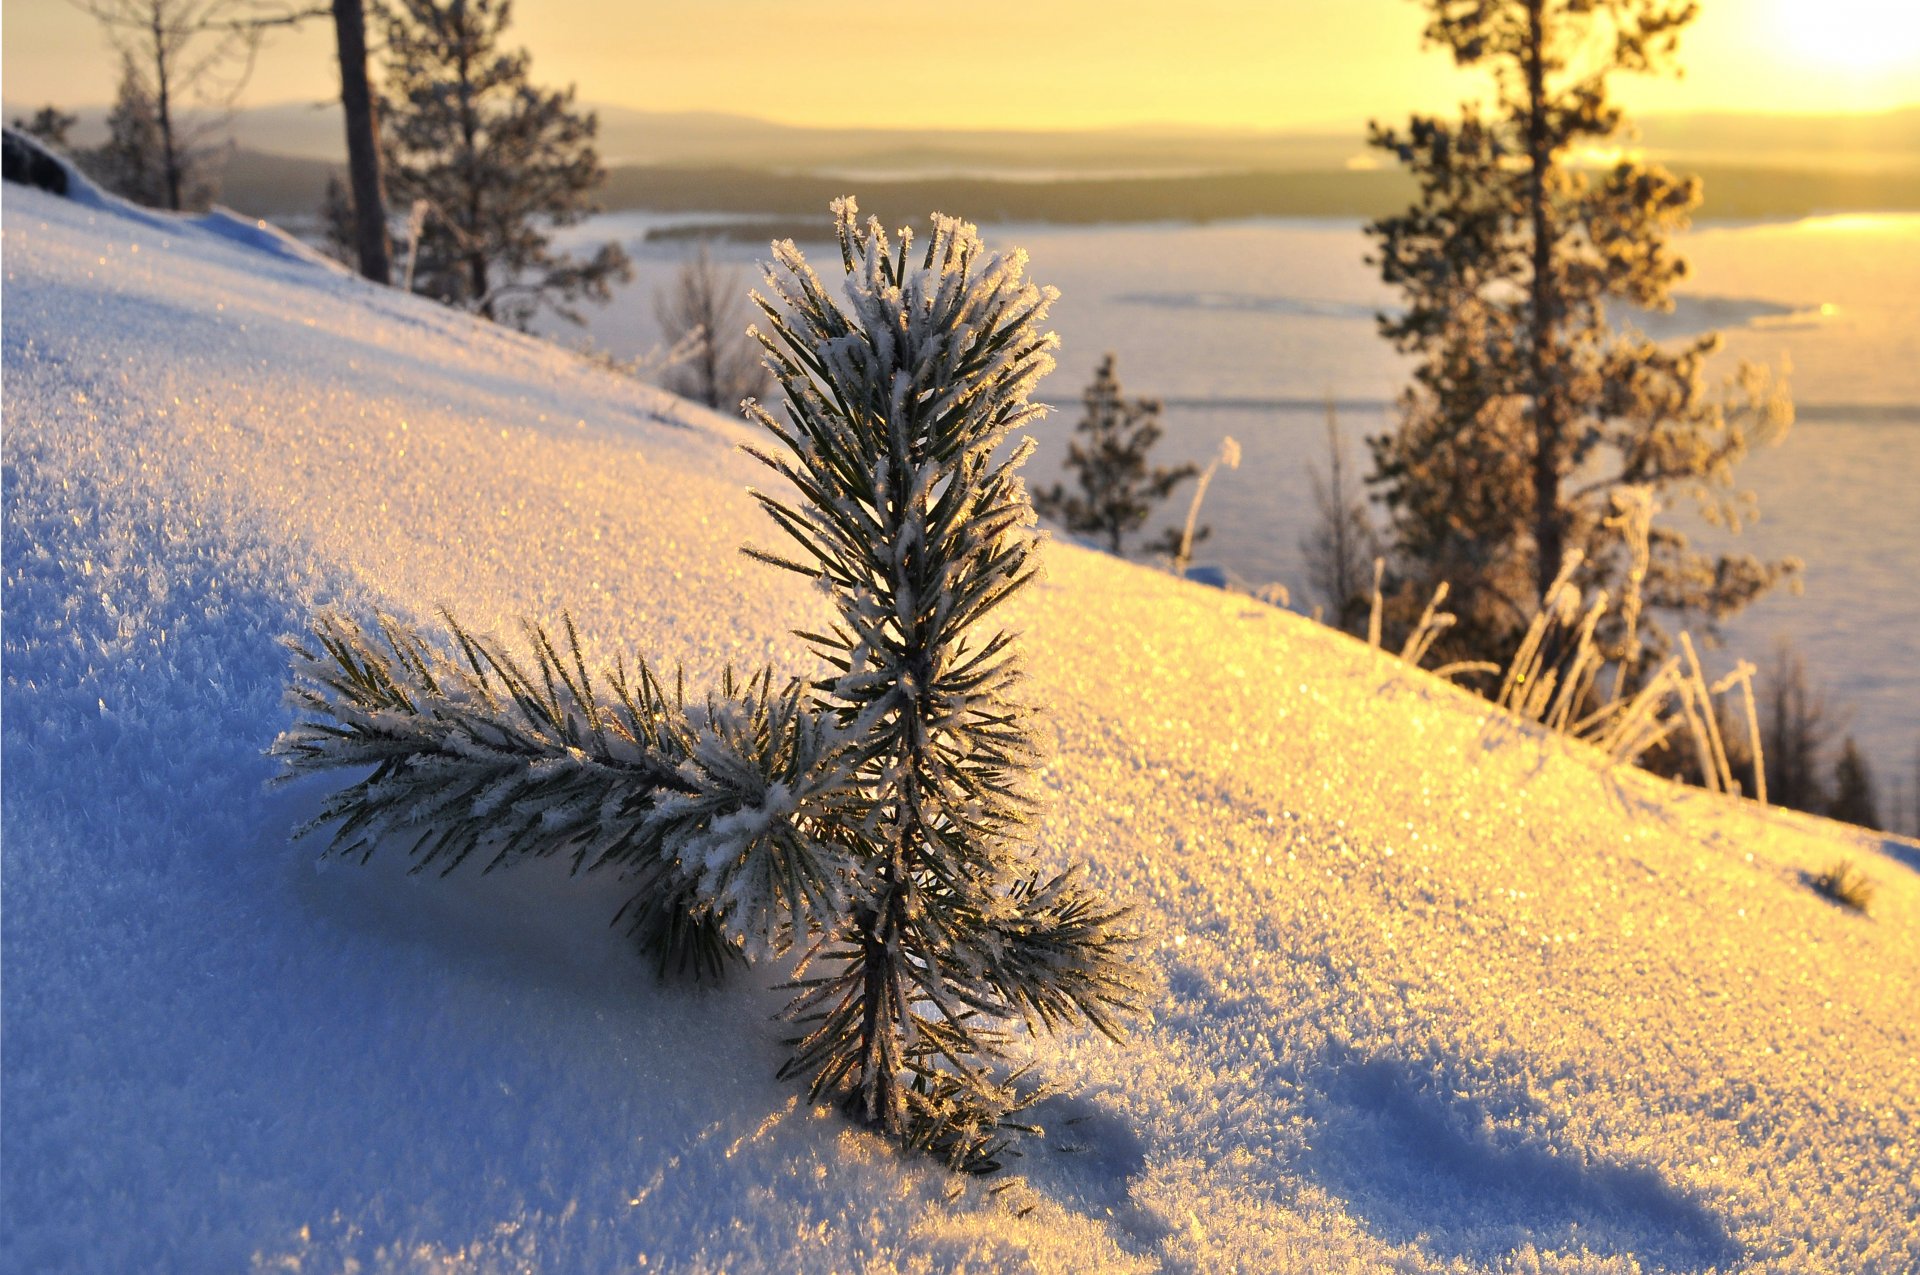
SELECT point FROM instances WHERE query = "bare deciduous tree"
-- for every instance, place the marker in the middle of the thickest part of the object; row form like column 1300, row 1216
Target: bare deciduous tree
column 1342, row 544
column 705, row 311
column 190, row 56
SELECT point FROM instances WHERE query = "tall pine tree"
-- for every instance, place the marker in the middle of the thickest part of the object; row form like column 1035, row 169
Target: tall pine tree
column 1532, row 413
column 499, row 161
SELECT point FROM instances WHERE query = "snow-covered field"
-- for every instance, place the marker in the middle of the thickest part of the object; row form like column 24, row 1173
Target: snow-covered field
column 1436, row 993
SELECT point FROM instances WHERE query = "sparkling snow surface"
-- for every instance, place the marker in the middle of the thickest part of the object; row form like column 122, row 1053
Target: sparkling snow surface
column 1438, row 994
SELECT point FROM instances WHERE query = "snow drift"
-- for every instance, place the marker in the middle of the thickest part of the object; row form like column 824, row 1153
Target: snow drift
column 1436, row 992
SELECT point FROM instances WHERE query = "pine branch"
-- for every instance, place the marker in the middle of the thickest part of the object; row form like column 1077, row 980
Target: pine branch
column 728, row 813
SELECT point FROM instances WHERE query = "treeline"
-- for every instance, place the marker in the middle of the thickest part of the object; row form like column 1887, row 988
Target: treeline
column 1730, row 194
column 267, row 185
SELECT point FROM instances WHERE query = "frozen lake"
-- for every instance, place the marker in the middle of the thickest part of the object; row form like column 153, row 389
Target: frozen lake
column 1246, row 328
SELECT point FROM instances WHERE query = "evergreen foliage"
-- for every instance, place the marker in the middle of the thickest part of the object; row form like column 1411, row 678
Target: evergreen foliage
column 1530, row 410
column 50, row 124
column 873, row 818
column 704, row 312
column 1853, row 795
column 499, row 161
column 1110, row 456
column 722, row 811
column 1796, row 727
column 132, row 161
column 339, row 224
column 917, row 530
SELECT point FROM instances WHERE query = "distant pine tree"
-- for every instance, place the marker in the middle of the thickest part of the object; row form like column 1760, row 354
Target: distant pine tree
column 499, row 161
column 132, row 161
column 50, row 124
column 1795, row 727
column 1531, row 411
column 1853, row 796
column 1110, row 458
column 339, row 227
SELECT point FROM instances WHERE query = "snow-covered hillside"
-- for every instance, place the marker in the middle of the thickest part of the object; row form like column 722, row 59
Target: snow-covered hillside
column 1437, row 993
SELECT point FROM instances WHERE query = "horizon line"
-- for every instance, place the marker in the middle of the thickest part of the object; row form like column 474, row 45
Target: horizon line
column 1303, row 129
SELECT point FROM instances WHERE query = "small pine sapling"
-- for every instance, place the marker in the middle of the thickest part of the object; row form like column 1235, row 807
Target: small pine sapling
column 1854, row 801
column 872, row 818
column 911, row 514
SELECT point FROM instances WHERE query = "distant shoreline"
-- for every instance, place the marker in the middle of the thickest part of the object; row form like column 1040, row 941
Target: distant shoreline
column 788, row 204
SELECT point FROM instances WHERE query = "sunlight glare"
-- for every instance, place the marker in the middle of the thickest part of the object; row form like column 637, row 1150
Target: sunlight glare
column 1856, row 35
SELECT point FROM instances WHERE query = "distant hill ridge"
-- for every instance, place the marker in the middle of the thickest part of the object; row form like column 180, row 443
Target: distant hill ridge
column 1755, row 167
column 629, row 136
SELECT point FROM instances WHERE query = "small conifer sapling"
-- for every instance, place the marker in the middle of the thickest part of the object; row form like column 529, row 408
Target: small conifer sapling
column 875, row 817
column 911, row 514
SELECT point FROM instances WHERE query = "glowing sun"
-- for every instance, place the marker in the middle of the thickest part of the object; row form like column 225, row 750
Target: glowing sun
column 1857, row 35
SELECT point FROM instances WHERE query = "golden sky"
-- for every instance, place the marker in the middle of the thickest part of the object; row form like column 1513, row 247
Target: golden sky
column 1279, row 64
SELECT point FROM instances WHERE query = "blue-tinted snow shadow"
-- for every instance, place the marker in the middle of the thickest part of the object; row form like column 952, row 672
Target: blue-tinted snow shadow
column 1087, row 1156
column 1903, row 852
column 1420, row 1162
column 223, row 1051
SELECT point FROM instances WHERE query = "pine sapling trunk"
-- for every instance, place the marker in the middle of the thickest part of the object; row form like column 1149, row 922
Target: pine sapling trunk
column 886, row 1029
column 876, row 1099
